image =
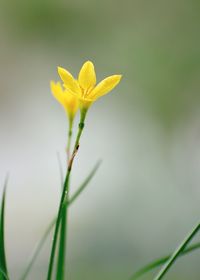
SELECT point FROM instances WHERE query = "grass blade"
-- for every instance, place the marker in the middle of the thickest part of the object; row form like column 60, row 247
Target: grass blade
column 85, row 183
column 40, row 244
column 176, row 253
column 60, row 170
column 161, row 261
column 3, row 271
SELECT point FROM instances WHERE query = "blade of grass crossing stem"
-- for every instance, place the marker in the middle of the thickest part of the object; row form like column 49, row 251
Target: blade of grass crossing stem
column 37, row 249
column 4, row 271
column 60, row 170
column 51, row 225
column 176, row 253
column 85, row 183
column 161, row 261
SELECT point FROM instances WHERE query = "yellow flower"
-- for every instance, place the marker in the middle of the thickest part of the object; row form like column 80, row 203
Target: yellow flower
column 66, row 99
column 85, row 87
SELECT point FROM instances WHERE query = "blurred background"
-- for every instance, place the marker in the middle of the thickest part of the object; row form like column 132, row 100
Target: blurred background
column 146, row 195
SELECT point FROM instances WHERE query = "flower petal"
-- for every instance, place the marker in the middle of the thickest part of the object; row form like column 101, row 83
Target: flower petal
column 87, row 76
column 69, row 81
column 57, row 91
column 105, row 86
column 68, row 100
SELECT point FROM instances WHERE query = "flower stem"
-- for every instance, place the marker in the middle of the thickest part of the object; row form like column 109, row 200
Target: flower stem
column 64, row 196
column 62, row 245
column 63, row 230
column 69, row 138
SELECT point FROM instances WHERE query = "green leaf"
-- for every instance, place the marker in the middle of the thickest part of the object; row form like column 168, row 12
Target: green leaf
column 60, row 170
column 176, row 253
column 161, row 261
column 85, row 183
column 37, row 250
column 3, row 270
column 40, row 244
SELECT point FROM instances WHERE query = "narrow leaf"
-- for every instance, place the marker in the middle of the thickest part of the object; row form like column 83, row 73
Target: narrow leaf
column 176, row 253
column 37, row 249
column 85, row 183
column 60, row 170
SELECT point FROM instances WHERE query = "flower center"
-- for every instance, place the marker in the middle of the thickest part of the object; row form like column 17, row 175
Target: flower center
column 86, row 92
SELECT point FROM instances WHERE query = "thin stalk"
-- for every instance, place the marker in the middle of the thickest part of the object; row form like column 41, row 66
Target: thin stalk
column 63, row 230
column 69, row 138
column 65, row 193
column 161, row 261
column 62, row 244
column 176, row 253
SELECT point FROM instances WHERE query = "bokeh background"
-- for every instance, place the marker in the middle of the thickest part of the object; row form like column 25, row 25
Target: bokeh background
column 146, row 195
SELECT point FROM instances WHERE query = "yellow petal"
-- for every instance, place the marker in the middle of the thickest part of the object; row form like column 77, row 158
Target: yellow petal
column 87, row 76
column 69, row 81
column 57, row 91
column 71, row 103
column 65, row 98
column 105, row 86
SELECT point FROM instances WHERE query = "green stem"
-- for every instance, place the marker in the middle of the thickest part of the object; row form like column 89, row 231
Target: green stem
column 177, row 252
column 63, row 230
column 69, row 138
column 80, row 129
column 65, row 194
column 37, row 249
column 62, row 246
